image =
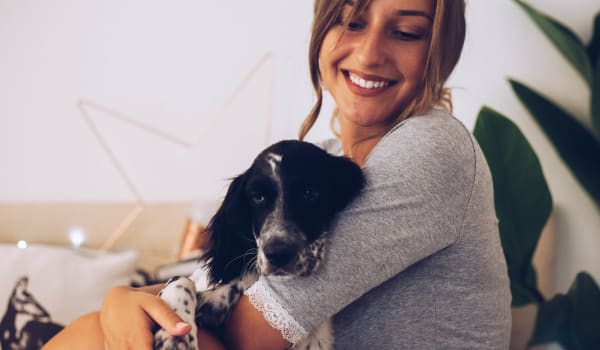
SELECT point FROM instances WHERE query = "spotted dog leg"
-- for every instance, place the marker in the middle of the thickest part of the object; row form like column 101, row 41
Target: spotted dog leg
column 180, row 294
column 215, row 305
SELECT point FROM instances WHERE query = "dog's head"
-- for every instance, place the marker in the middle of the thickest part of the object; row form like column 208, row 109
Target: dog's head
column 279, row 211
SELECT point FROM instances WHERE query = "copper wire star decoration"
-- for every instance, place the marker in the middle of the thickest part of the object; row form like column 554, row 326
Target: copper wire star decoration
column 84, row 105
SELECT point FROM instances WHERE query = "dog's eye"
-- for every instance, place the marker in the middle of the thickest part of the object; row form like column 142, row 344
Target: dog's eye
column 258, row 198
column 311, row 195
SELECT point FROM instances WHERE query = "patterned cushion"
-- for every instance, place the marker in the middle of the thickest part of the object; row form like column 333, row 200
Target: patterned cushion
column 46, row 287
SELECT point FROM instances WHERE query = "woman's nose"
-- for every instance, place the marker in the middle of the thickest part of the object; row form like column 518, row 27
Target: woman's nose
column 370, row 49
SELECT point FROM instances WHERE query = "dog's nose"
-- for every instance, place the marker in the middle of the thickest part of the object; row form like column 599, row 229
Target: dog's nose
column 280, row 252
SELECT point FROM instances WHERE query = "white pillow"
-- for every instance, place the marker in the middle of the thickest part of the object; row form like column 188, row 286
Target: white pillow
column 65, row 282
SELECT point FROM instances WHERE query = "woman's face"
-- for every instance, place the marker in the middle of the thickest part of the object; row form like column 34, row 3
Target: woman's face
column 374, row 68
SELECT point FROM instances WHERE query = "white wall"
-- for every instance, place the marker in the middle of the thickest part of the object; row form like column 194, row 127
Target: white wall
column 169, row 66
column 503, row 42
column 172, row 66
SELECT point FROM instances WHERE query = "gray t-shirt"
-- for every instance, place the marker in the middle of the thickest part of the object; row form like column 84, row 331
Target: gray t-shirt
column 415, row 262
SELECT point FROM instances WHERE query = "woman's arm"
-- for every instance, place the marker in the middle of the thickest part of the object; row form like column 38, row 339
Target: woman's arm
column 419, row 182
column 247, row 329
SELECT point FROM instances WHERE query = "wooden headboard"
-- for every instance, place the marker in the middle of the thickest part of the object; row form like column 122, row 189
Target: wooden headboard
column 155, row 232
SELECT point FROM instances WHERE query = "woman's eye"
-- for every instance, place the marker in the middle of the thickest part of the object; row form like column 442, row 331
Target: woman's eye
column 407, row 36
column 350, row 24
column 355, row 26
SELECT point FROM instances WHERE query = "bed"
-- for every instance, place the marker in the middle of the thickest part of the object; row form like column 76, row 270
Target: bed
column 59, row 260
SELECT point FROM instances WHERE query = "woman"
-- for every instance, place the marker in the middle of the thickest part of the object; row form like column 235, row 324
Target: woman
column 415, row 262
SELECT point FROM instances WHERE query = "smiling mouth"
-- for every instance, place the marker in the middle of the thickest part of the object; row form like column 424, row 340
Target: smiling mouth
column 367, row 83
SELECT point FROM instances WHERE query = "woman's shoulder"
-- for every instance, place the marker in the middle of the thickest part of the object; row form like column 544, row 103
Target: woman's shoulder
column 435, row 136
column 435, row 123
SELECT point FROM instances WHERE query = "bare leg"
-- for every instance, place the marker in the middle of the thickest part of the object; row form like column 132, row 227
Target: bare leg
column 86, row 333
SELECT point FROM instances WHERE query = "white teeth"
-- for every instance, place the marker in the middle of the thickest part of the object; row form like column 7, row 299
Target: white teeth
column 368, row 84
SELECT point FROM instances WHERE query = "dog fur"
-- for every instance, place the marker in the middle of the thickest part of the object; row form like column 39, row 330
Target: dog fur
column 274, row 220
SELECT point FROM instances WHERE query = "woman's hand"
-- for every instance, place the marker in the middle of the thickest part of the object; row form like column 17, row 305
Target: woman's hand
column 128, row 316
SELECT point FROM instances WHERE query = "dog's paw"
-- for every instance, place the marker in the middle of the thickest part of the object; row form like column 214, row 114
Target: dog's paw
column 215, row 305
column 180, row 294
column 165, row 341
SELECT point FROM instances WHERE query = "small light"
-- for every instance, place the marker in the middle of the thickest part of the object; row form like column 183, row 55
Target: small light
column 22, row 244
column 77, row 237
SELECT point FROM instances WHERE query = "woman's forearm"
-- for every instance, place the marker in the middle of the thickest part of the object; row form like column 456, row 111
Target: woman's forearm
column 246, row 329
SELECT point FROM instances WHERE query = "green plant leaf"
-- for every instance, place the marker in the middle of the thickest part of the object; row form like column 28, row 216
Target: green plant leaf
column 595, row 96
column 584, row 298
column 524, row 289
column 593, row 48
column 552, row 321
column 594, row 54
column 573, row 320
column 569, row 45
column 577, row 147
column 522, row 199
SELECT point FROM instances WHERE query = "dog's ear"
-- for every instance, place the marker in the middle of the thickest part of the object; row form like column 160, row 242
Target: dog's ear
column 230, row 235
column 347, row 180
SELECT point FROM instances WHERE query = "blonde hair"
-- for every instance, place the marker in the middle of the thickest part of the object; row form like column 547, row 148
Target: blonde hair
column 447, row 39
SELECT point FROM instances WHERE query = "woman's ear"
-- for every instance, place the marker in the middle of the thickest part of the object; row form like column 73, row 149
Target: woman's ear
column 230, row 234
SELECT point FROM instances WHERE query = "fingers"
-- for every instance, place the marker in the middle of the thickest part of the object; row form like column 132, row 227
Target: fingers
column 128, row 316
column 162, row 314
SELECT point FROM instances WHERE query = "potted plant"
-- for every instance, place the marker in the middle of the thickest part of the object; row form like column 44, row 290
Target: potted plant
column 522, row 198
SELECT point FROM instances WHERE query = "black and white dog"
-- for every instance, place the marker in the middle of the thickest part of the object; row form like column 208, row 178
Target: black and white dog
column 273, row 221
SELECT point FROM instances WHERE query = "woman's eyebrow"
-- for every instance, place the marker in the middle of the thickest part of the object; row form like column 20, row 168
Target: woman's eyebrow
column 414, row 13
column 401, row 12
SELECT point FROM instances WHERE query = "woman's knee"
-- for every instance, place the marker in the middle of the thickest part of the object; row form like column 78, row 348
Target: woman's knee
column 83, row 333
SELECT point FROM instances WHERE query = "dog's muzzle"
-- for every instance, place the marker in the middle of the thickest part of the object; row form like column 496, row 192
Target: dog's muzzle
column 281, row 253
column 283, row 256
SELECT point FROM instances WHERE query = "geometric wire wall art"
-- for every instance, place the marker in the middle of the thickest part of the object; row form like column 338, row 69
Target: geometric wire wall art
column 86, row 105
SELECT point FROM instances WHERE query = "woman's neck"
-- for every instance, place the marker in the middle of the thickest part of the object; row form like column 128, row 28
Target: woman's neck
column 357, row 142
